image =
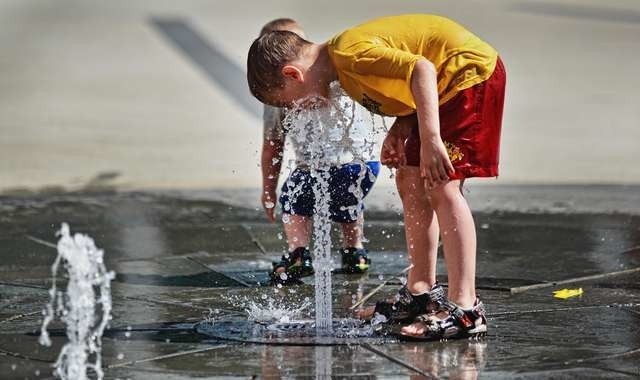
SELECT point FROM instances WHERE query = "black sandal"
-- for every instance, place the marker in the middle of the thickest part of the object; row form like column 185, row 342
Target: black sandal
column 460, row 324
column 352, row 260
column 405, row 307
column 296, row 264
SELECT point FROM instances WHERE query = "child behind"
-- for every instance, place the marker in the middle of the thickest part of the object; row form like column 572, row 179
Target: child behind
column 347, row 177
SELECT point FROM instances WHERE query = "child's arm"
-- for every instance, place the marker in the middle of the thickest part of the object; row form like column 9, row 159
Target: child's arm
column 435, row 165
column 271, row 159
column 271, row 164
column 392, row 154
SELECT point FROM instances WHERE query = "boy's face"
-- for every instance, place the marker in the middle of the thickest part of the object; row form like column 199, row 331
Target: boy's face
column 295, row 93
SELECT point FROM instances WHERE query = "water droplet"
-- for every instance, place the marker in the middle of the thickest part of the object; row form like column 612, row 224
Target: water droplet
column 120, row 356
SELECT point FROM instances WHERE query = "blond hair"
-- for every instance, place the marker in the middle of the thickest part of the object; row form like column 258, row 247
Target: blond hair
column 267, row 55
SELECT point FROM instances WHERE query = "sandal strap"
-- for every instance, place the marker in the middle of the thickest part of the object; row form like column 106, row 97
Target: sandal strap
column 301, row 253
column 354, row 255
column 409, row 305
column 465, row 317
column 460, row 323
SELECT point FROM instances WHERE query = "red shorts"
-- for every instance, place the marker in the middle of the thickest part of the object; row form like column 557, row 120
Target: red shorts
column 470, row 125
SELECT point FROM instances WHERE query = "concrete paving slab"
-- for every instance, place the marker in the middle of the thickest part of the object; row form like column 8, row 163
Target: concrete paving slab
column 172, row 272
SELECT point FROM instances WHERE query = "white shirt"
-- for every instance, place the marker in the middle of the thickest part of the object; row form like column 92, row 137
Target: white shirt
column 349, row 136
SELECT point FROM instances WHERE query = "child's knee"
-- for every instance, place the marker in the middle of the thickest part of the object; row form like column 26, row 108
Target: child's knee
column 410, row 185
column 447, row 193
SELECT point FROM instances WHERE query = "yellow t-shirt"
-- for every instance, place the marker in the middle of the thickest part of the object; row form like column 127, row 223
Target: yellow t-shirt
column 375, row 60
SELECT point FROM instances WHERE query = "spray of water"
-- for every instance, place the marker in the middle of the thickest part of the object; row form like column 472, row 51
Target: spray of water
column 267, row 309
column 272, row 311
column 325, row 128
column 85, row 307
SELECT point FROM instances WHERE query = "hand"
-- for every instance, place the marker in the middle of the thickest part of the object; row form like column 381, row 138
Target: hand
column 269, row 199
column 435, row 165
column 393, row 154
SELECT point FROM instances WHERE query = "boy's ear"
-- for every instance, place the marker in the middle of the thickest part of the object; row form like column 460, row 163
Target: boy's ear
column 292, row 72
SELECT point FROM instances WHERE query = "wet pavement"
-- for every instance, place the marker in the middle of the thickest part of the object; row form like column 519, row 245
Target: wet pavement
column 182, row 259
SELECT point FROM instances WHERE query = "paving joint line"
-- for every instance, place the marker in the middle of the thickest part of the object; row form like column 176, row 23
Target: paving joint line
column 168, row 356
column 21, row 285
column 220, row 273
column 535, row 311
column 400, row 362
column 18, row 316
column 522, row 289
column 22, row 356
column 42, row 242
column 134, row 298
column 253, row 238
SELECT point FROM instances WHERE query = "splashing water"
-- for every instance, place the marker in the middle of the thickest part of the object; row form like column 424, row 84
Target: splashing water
column 85, row 307
column 323, row 127
column 273, row 311
column 269, row 309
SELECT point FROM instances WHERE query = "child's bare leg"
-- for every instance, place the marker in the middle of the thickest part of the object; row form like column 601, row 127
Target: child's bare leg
column 459, row 239
column 297, row 229
column 458, row 233
column 421, row 229
column 297, row 262
column 352, row 233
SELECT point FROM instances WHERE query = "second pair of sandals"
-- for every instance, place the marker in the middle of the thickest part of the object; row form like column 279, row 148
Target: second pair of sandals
column 435, row 316
column 298, row 263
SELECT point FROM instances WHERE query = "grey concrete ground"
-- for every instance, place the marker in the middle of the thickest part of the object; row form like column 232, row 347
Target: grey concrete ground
column 178, row 257
column 95, row 92
column 97, row 97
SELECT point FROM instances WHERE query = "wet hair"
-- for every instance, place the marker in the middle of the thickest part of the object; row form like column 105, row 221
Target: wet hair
column 277, row 24
column 267, row 55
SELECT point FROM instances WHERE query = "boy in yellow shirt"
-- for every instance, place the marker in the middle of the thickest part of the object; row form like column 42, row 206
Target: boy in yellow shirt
column 446, row 88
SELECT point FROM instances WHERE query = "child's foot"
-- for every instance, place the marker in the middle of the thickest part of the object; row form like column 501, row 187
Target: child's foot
column 292, row 267
column 404, row 307
column 460, row 323
column 355, row 260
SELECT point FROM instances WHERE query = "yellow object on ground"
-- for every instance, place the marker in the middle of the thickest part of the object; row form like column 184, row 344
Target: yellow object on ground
column 567, row 293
